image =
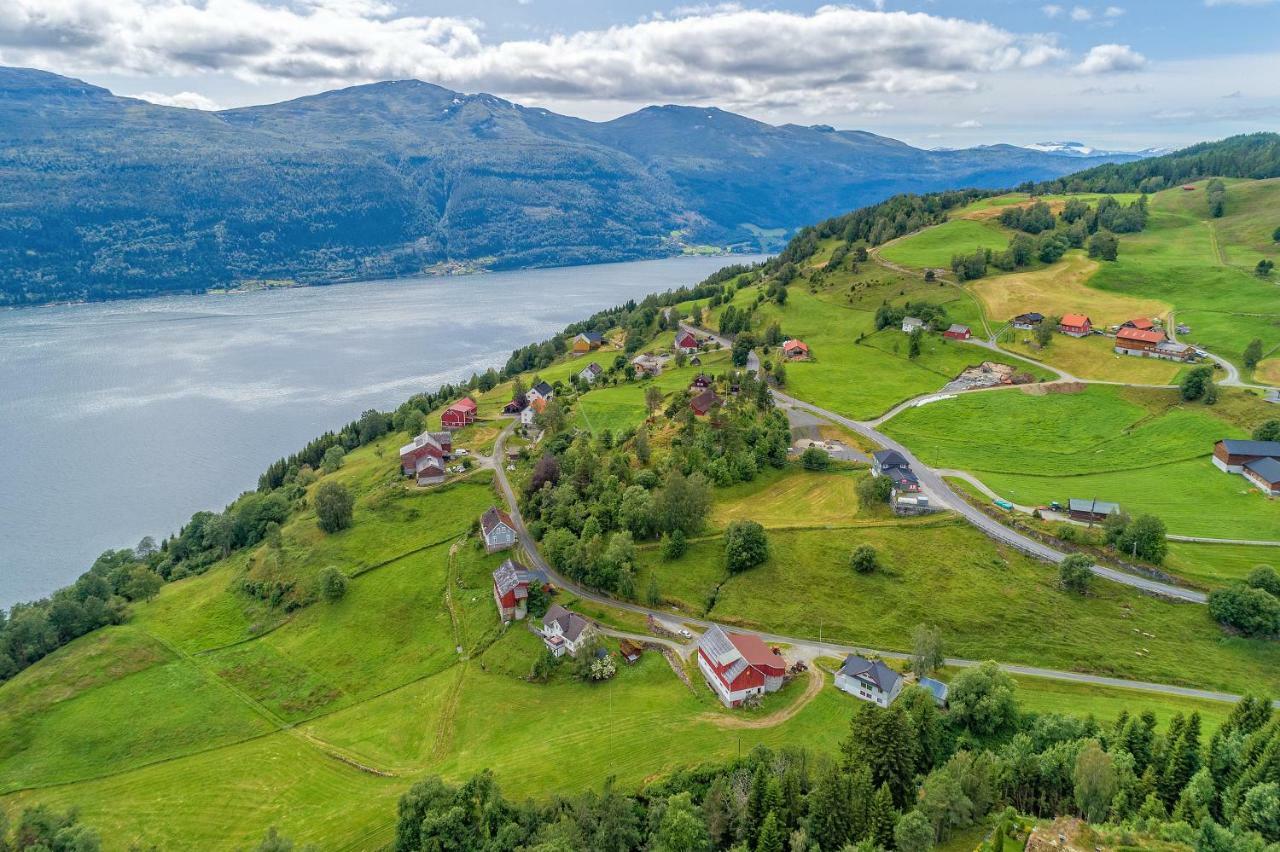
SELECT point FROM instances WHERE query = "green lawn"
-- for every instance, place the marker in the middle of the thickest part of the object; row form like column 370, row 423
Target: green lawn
column 934, row 247
column 1141, row 448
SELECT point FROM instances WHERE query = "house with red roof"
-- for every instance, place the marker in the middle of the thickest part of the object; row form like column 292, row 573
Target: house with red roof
column 687, row 343
column 1140, row 323
column 1131, row 340
column 1076, row 325
column 793, row 349
column 461, row 413
column 739, row 666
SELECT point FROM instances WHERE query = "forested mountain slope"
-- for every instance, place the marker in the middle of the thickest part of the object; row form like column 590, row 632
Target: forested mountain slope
column 109, row 197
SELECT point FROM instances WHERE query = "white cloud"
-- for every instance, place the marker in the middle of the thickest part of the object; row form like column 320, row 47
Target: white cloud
column 968, row 124
column 1238, row 2
column 1052, row 10
column 186, row 100
column 1080, row 13
column 733, row 56
column 1111, row 58
column 1113, row 12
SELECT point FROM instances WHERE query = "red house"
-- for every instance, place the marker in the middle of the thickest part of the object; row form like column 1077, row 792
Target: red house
column 1131, row 340
column 795, row 349
column 687, row 343
column 738, row 666
column 511, row 582
column 958, row 332
column 1139, row 322
column 461, row 413
column 1076, row 325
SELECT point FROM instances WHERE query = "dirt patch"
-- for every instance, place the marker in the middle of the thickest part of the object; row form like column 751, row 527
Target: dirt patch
column 988, row 374
column 1046, row 388
column 1268, row 371
column 811, row 691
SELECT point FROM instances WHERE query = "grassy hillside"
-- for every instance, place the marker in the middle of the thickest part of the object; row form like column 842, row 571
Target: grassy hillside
column 1143, row 448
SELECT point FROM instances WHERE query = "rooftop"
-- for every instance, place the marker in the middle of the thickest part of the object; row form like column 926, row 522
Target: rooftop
column 1238, row 447
column 1099, row 507
column 1267, row 468
column 873, row 672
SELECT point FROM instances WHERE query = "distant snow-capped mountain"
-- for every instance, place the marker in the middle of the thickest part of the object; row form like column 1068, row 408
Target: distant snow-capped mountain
column 1079, row 149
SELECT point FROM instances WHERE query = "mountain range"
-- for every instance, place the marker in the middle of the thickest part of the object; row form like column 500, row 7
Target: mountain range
column 110, row 197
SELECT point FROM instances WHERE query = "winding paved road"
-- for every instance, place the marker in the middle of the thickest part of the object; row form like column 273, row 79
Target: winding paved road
column 801, row 647
column 938, row 490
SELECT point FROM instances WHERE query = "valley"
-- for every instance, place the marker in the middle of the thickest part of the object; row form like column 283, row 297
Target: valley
column 242, row 687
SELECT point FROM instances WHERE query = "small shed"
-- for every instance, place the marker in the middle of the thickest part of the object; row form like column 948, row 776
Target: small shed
column 630, row 650
column 1091, row 511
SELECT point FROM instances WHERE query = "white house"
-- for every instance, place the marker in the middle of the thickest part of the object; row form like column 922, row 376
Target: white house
column 910, row 324
column 870, row 680
column 565, row 632
column 540, row 391
column 591, row 372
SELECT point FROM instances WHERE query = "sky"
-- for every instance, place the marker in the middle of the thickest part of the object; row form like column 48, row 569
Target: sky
column 936, row 73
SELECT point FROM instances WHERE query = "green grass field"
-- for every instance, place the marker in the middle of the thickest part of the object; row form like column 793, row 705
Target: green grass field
column 1142, row 448
column 1211, row 564
column 934, row 247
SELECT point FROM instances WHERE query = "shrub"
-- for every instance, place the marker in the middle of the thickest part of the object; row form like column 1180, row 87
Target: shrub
column 874, row 489
column 674, row 545
column 745, row 546
column 864, row 559
column 815, row 459
column 1074, row 573
column 332, row 584
column 334, row 507
column 1254, row 612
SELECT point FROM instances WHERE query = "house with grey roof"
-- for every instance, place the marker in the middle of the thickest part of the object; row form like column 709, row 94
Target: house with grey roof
column 511, row 582
column 937, row 689
column 869, row 680
column 910, row 324
column 591, row 372
column 1264, row 473
column 497, row 529
column 565, row 632
column 1091, row 511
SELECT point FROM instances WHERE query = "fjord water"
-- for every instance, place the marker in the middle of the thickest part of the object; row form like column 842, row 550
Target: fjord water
column 119, row 420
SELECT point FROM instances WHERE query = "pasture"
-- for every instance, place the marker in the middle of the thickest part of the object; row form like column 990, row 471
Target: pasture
column 1143, row 448
column 934, row 247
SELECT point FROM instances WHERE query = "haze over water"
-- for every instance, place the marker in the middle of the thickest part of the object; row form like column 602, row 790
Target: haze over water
column 121, row 419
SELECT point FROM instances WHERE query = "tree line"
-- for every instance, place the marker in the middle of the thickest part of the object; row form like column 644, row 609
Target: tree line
column 906, row 778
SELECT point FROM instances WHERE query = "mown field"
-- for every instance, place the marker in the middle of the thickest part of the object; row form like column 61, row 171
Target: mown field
column 1092, row 358
column 1143, row 448
column 989, row 601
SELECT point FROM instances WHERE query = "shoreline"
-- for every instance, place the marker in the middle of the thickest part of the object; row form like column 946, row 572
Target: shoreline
column 449, row 270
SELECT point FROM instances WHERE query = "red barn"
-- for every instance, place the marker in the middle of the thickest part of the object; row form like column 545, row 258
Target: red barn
column 703, row 402
column 738, row 666
column 1076, row 325
column 958, row 332
column 1137, row 341
column 687, row 343
column 461, row 413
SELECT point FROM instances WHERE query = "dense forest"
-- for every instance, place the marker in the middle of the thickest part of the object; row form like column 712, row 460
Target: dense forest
column 108, row 197
column 906, row 778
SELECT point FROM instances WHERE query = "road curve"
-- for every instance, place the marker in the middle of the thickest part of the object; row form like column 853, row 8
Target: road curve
column 806, row 646
column 935, row 485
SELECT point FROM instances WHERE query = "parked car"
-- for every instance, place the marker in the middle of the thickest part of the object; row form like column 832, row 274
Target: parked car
column 685, row 633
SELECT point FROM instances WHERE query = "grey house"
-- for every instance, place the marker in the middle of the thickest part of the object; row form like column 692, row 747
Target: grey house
column 498, row 530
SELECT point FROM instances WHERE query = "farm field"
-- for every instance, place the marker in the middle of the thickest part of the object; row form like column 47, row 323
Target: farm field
column 1059, row 289
column 1139, row 447
column 1093, row 358
column 988, row 601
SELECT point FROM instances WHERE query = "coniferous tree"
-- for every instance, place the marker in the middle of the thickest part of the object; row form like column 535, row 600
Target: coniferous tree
column 829, row 823
column 772, row 837
column 882, row 818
